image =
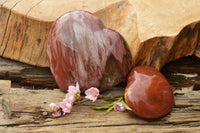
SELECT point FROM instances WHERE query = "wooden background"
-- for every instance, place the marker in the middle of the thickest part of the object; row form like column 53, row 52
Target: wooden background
column 24, row 103
column 26, row 108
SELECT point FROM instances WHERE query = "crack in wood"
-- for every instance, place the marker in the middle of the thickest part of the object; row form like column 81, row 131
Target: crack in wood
column 6, row 28
column 178, row 94
column 5, row 31
column 182, row 106
column 26, row 112
column 146, row 124
column 25, row 33
column 50, row 125
column 185, row 123
column 4, row 2
column 18, row 124
column 33, row 7
column 33, row 47
column 6, row 44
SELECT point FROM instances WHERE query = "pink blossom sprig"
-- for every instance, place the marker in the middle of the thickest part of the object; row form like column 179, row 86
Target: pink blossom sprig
column 65, row 106
column 73, row 95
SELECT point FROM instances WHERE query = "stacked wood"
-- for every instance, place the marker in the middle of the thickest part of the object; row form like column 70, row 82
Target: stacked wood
column 157, row 32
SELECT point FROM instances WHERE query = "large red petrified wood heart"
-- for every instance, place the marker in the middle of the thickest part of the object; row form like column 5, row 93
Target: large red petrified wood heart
column 80, row 49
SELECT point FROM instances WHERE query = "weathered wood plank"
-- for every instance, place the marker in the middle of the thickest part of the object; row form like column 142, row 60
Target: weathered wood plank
column 183, row 72
column 21, row 109
column 26, row 107
column 180, row 73
column 26, row 74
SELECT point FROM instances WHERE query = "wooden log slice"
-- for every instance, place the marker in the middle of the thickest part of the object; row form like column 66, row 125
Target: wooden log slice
column 151, row 28
column 24, row 29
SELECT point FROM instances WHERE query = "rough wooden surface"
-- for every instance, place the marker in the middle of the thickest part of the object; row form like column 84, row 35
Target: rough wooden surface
column 26, row 74
column 156, row 31
column 30, row 75
column 22, row 110
column 158, row 51
column 24, row 31
column 184, row 72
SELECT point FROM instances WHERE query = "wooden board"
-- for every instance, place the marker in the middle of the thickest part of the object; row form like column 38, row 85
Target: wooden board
column 25, row 74
column 23, row 110
column 157, row 32
column 37, row 77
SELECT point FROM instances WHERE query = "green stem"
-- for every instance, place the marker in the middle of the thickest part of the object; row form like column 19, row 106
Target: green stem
column 126, row 106
column 109, row 106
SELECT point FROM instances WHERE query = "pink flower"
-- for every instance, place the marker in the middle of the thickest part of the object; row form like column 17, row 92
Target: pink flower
column 70, row 97
column 56, row 110
column 66, row 106
column 74, row 89
column 119, row 107
column 92, row 94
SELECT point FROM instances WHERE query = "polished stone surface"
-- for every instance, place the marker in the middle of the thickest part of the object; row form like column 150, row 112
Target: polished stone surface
column 148, row 93
column 80, row 49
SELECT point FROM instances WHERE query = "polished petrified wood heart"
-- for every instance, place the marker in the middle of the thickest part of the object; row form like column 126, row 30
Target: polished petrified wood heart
column 80, row 49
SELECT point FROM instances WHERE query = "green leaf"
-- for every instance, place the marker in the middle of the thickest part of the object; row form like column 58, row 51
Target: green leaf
column 126, row 106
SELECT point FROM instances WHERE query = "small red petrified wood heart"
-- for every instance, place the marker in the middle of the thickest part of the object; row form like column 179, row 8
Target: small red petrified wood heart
column 148, row 93
column 80, row 49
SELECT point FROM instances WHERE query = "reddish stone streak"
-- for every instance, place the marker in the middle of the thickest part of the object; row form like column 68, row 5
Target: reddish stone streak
column 78, row 49
column 148, row 93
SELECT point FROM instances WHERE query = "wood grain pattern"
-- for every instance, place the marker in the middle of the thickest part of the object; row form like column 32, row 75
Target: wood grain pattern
column 22, row 110
column 176, row 72
column 158, row 51
column 24, row 30
column 155, row 33
column 22, row 38
column 26, row 74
